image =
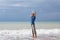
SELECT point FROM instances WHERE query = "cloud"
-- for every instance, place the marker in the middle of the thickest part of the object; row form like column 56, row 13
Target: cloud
column 18, row 5
column 46, row 9
column 29, row 3
column 21, row 3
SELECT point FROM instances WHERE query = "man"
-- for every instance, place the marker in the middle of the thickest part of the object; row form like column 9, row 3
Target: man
column 33, row 17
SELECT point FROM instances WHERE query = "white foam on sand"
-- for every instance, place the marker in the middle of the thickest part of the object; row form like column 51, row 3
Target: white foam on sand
column 26, row 34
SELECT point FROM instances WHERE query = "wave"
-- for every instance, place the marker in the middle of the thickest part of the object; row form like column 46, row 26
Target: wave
column 25, row 34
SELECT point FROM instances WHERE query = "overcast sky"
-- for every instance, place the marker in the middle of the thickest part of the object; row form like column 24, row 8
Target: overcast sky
column 20, row 10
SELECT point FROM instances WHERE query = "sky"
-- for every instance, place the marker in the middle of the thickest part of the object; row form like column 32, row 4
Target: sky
column 20, row 10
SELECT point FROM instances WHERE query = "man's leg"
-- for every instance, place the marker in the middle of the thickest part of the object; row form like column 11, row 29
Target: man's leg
column 35, row 30
column 32, row 31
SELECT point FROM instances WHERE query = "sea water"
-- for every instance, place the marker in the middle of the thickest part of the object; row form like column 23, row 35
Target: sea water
column 22, row 31
column 27, row 25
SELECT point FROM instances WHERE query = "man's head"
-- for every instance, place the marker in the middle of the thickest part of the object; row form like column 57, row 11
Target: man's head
column 33, row 13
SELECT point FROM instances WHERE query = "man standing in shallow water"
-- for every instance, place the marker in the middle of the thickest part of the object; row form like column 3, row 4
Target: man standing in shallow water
column 33, row 17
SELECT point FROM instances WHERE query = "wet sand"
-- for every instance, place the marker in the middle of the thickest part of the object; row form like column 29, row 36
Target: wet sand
column 53, row 34
column 42, row 37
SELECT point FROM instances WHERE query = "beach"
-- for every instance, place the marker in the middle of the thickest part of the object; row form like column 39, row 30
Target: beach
column 19, row 18
column 42, row 34
column 22, row 31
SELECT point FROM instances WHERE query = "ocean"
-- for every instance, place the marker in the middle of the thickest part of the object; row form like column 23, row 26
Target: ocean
column 22, row 31
column 27, row 25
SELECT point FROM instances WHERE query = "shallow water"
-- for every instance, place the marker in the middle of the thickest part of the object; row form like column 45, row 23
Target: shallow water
column 27, row 25
column 22, row 31
column 42, row 34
